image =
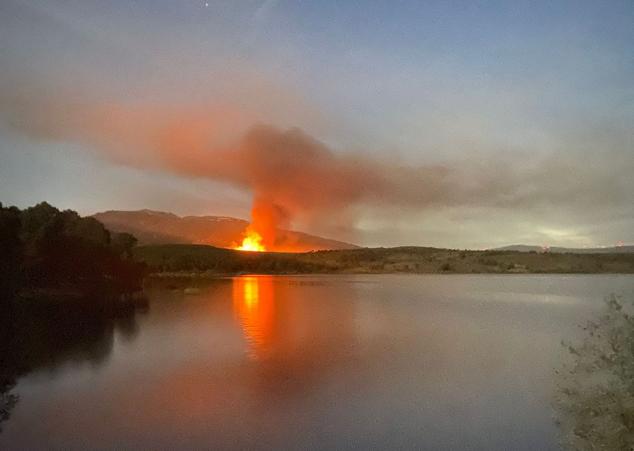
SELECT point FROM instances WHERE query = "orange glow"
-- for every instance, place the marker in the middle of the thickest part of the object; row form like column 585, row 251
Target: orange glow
column 262, row 232
column 251, row 242
column 254, row 307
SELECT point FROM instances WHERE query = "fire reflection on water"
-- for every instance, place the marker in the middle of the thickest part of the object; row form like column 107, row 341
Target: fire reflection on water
column 254, row 307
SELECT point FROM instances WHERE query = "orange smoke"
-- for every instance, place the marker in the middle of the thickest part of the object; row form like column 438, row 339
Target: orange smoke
column 262, row 234
column 294, row 177
column 266, row 220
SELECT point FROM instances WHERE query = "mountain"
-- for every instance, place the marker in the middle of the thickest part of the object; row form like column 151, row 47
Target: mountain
column 157, row 227
column 569, row 250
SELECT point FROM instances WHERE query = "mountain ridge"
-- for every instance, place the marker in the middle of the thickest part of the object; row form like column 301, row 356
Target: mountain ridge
column 159, row 227
column 625, row 249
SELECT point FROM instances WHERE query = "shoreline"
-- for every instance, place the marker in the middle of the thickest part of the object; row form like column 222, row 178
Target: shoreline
column 211, row 275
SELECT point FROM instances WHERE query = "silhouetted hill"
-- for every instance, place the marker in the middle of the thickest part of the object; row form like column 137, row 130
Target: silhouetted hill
column 569, row 250
column 155, row 227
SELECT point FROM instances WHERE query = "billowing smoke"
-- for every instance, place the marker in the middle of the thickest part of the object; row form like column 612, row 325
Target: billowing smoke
column 293, row 176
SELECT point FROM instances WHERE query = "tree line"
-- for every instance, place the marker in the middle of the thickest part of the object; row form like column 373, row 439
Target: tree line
column 44, row 249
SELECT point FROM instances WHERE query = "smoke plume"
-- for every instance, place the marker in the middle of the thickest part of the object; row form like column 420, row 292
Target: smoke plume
column 293, row 177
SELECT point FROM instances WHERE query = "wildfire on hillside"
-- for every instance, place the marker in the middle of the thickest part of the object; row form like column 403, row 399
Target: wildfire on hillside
column 261, row 234
column 252, row 241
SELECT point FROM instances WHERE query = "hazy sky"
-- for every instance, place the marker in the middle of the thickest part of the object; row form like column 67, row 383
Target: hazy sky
column 495, row 122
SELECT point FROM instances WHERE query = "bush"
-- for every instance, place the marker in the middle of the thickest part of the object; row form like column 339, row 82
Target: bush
column 446, row 267
column 595, row 392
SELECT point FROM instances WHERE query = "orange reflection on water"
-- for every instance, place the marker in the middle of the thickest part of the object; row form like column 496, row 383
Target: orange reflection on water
column 254, row 307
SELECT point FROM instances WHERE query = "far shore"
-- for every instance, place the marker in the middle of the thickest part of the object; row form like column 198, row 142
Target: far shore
column 181, row 260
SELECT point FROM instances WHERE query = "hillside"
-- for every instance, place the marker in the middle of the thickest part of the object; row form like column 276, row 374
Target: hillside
column 207, row 259
column 155, row 227
column 569, row 250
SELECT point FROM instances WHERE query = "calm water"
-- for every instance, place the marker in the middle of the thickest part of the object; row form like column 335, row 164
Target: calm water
column 328, row 362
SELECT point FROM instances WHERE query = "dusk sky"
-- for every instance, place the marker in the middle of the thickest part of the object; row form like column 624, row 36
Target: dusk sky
column 453, row 124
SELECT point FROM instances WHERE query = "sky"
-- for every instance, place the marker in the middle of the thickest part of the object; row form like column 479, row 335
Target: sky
column 462, row 124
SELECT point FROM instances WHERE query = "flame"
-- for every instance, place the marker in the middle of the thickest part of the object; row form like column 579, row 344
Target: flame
column 252, row 242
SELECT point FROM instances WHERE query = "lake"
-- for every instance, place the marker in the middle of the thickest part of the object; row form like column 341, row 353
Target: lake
column 434, row 362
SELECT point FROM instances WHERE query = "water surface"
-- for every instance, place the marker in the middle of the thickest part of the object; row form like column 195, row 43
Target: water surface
column 318, row 362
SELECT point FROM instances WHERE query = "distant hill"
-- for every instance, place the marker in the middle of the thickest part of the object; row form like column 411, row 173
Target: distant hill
column 157, row 227
column 569, row 250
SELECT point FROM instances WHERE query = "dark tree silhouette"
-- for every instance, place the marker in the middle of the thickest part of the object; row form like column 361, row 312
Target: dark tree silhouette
column 10, row 251
column 45, row 248
column 47, row 258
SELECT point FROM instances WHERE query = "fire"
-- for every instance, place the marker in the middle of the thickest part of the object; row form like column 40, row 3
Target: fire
column 252, row 242
column 260, row 235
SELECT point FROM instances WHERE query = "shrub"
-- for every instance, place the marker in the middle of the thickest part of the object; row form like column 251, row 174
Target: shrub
column 446, row 267
column 595, row 391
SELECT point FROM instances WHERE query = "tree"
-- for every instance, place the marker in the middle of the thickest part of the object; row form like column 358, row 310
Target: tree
column 45, row 248
column 34, row 218
column 10, row 251
column 124, row 243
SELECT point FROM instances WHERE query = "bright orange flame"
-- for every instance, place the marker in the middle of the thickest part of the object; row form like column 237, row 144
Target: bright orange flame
column 261, row 234
column 252, row 242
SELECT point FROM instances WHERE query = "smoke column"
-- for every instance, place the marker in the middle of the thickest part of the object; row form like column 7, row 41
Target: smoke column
column 292, row 175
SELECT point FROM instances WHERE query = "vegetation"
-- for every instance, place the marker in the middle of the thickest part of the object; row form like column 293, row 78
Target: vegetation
column 595, row 398
column 64, row 281
column 50, row 252
column 200, row 258
column 212, row 260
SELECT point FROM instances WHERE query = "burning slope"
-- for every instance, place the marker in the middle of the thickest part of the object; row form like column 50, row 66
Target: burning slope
column 154, row 227
column 262, row 233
